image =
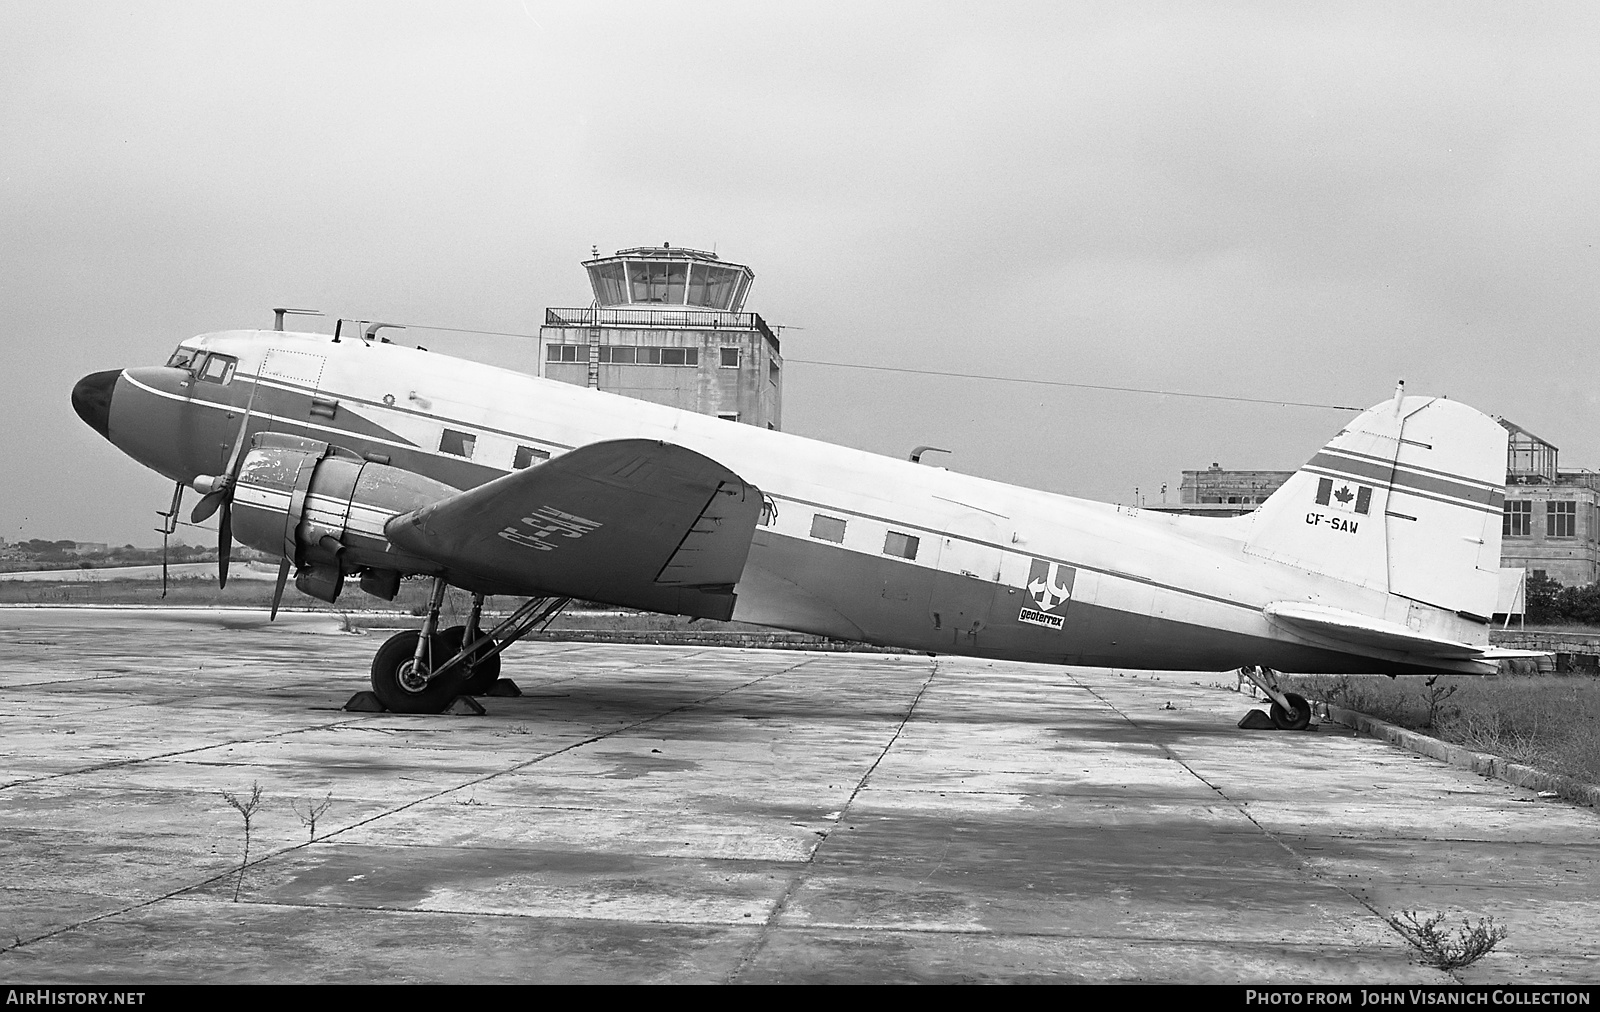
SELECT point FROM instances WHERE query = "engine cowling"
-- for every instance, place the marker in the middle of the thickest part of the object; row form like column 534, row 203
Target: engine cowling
column 323, row 507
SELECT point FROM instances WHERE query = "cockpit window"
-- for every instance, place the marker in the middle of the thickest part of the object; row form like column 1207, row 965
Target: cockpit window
column 218, row 368
column 183, row 358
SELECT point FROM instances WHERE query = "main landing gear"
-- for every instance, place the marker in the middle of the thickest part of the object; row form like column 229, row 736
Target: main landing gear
column 1289, row 711
column 424, row 671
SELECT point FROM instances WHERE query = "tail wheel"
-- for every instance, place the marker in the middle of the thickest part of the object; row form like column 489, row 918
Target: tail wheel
column 1297, row 718
column 482, row 672
column 402, row 684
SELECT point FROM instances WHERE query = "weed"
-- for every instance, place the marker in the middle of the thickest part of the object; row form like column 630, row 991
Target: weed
column 1434, row 695
column 1447, row 950
column 247, row 810
column 312, row 813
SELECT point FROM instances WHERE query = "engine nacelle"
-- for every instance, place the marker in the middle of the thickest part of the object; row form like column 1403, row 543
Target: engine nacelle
column 323, row 507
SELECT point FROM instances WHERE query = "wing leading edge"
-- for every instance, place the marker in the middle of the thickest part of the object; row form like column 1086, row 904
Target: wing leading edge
column 633, row 522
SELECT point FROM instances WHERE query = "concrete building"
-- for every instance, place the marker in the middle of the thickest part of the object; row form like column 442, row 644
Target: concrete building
column 1228, row 493
column 667, row 325
column 1551, row 525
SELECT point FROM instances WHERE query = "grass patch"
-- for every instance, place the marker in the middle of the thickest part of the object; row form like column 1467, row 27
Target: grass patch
column 1551, row 722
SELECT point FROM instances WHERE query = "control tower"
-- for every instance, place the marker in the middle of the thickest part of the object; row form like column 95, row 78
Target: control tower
column 668, row 325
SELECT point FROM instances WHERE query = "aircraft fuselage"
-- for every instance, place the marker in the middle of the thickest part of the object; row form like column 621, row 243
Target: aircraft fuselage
column 856, row 546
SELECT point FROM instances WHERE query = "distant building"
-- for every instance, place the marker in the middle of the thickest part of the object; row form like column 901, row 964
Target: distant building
column 667, row 325
column 1551, row 525
column 1241, row 490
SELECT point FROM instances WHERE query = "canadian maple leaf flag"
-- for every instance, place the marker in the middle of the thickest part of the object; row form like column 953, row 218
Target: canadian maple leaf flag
column 1344, row 495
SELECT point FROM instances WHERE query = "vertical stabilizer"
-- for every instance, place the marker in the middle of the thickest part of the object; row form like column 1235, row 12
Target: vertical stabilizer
column 1406, row 499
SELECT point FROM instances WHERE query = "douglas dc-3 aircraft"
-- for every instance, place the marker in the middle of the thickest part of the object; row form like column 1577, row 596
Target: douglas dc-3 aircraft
column 356, row 457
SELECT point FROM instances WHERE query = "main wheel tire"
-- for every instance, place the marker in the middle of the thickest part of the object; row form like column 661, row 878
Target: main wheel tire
column 1296, row 719
column 480, row 674
column 395, row 679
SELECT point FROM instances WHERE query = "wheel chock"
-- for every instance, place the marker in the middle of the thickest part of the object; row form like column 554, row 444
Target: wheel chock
column 366, row 702
column 465, row 706
column 1257, row 720
column 504, row 687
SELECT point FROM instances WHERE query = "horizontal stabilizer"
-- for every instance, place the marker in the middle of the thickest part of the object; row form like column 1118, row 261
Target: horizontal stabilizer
column 1511, row 654
column 633, row 522
column 1364, row 630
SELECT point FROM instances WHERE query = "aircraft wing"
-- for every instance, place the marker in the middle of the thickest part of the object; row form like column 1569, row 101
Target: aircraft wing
column 633, row 522
column 1364, row 630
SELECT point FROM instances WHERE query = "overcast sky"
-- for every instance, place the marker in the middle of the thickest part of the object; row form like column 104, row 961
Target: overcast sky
column 1267, row 200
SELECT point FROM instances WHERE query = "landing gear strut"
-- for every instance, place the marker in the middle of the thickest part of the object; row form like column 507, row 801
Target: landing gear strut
column 423, row 671
column 1289, row 710
column 483, row 668
column 403, row 676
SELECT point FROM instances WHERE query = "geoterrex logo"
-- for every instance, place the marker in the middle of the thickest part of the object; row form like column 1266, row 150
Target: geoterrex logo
column 1050, row 589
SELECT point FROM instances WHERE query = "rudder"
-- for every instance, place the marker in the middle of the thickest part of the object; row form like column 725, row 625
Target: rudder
column 1407, row 499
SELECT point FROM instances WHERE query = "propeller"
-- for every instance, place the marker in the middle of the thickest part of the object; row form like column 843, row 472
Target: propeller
column 217, row 493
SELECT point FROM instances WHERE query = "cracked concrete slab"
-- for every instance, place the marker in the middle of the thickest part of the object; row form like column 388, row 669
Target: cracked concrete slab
column 693, row 814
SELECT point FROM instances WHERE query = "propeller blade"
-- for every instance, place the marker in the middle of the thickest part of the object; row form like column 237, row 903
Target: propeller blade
column 207, row 505
column 232, row 470
column 224, row 544
column 277, row 592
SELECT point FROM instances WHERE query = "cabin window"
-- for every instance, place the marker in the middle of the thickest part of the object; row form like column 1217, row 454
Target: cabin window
column 183, row 358
column 566, row 353
column 460, row 444
column 1561, row 519
column 218, row 369
column 901, row 546
column 730, row 358
column 826, row 528
column 527, row 456
column 1518, row 520
column 728, row 416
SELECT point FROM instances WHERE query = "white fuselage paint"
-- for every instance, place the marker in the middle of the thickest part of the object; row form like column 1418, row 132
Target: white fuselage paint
column 1192, row 572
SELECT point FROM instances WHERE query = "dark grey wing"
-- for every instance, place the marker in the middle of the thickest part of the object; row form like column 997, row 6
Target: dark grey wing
column 634, row 522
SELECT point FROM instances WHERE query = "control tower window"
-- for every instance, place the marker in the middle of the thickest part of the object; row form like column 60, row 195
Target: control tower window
column 721, row 287
column 677, row 274
column 610, row 284
column 658, row 283
column 699, row 279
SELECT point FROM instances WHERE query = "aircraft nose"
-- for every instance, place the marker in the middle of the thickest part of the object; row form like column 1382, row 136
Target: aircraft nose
column 91, row 399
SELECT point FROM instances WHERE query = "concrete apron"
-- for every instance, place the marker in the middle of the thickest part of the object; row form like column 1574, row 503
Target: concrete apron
column 680, row 814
